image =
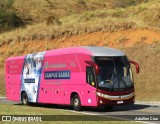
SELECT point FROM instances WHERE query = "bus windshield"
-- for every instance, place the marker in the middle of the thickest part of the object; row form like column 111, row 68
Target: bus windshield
column 114, row 73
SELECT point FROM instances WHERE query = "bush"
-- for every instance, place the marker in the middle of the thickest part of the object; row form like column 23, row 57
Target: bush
column 81, row 1
column 6, row 5
column 126, row 3
column 151, row 17
column 9, row 20
column 53, row 20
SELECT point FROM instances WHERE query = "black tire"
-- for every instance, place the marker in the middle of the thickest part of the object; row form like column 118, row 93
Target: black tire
column 24, row 98
column 76, row 103
column 108, row 108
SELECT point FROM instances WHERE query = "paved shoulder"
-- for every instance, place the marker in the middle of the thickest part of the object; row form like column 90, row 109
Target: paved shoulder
column 3, row 100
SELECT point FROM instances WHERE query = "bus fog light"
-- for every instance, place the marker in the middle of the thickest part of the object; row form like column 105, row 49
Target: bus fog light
column 89, row 101
column 101, row 101
column 99, row 94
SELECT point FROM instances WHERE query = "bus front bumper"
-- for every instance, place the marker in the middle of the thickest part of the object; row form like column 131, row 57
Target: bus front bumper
column 107, row 100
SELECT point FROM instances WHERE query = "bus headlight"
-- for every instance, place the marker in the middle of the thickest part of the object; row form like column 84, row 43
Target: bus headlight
column 99, row 94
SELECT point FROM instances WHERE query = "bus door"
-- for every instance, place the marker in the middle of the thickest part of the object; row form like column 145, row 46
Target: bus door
column 91, row 80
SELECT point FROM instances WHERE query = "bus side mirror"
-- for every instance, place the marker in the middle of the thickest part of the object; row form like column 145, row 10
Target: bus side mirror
column 136, row 64
column 94, row 65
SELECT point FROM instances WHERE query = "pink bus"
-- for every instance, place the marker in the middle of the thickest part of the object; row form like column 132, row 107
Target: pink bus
column 77, row 76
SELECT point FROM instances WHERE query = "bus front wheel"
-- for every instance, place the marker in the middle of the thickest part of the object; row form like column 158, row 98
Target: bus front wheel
column 24, row 98
column 76, row 103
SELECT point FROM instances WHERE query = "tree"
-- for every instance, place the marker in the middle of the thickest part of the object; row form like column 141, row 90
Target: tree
column 8, row 18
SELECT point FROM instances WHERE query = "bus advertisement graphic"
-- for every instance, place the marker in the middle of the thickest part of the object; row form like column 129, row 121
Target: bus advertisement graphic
column 31, row 74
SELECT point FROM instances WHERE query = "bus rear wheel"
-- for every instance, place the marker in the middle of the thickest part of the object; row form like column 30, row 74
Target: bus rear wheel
column 24, row 98
column 76, row 103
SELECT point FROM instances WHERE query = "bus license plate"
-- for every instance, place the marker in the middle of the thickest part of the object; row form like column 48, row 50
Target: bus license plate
column 119, row 102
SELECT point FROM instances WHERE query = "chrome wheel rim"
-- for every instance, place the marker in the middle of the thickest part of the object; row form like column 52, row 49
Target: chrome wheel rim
column 76, row 102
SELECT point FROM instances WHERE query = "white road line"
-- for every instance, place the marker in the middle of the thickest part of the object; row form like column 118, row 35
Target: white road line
column 147, row 103
column 2, row 97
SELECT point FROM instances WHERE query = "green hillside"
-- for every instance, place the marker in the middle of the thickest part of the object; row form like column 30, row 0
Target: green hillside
column 50, row 19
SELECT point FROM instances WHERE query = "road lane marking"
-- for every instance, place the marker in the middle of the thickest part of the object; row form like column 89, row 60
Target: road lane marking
column 2, row 97
column 145, row 110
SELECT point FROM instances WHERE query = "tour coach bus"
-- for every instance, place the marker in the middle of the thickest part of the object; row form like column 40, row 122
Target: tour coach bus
column 77, row 76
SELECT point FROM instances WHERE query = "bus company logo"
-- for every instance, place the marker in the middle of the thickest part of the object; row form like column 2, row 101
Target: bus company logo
column 6, row 118
column 62, row 65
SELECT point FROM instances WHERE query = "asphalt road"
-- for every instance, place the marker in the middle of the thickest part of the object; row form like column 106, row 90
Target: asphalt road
column 123, row 111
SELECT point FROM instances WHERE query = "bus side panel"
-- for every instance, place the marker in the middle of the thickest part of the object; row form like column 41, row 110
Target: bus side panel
column 76, row 84
column 76, row 81
column 13, row 72
column 52, row 89
column 87, row 92
column 57, row 90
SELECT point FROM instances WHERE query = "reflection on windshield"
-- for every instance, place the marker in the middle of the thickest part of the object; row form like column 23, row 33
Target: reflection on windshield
column 114, row 73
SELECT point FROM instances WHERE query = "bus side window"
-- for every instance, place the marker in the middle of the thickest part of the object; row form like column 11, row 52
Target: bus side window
column 90, row 78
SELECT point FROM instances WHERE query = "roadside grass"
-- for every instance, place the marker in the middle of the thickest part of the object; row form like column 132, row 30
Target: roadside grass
column 18, row 109
column 76, row 122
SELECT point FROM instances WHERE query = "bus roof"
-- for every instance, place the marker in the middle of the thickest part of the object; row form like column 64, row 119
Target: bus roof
column 104, row 51
column 90, row 50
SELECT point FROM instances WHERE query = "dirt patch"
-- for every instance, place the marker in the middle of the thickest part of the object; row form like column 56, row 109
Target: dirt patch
column 119, row 39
